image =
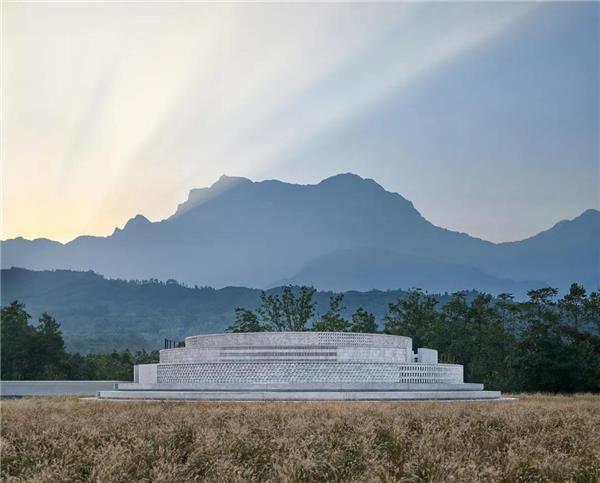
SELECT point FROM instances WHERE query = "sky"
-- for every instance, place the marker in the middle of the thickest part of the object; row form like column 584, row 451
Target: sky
column 485, row 115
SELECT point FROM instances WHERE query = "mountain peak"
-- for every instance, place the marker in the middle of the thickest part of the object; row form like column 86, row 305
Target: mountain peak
column 590, row 214
column 138, row 220
column 230, row 181
column 198, row 196
column 133, row 224
column 345, row 178
column 350, row 181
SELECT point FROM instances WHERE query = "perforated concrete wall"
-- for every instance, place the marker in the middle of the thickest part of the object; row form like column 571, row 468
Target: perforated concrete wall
column 302, row 357
column 286, row 353
column 299, row 365
column 292, row 346
column 306, row 372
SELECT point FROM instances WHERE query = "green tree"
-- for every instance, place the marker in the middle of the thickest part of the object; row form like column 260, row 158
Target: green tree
column 144, row 357
column 50, row 349
column 413, row 316
column 297, row 310
column 270, row 311
column 592, row 311
column 573, row 306
column 78, row 368
column 544, row 360
column 578, row 317
column 287, row 311
column 245, row 321
column 332, row 320
column 115, row 366
column 363, row 321
column 510, row 313
column 474, row 334
column 16, row 342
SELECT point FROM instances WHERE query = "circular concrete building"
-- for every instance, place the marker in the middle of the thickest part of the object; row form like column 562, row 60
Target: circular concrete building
column 298, row 365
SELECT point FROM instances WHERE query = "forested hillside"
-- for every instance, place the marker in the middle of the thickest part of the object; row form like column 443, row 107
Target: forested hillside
column 546, row 343
column 99, row 314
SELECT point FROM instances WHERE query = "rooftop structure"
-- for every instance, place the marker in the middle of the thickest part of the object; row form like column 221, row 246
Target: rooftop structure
column 298, row 365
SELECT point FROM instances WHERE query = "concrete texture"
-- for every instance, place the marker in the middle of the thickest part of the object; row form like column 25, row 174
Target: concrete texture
column 300, row 395
column 145, row 373
column 426, row 356
column 242, row 372
column 365, row 386
column 274, row 339
column 54, row 388
column 299, row 365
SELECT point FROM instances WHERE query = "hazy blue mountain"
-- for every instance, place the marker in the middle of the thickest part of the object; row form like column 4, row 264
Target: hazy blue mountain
column 377, row 268
column 239, row 232
column 567, row 252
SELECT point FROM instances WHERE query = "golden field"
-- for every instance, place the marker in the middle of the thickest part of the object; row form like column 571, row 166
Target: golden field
column 537, row 438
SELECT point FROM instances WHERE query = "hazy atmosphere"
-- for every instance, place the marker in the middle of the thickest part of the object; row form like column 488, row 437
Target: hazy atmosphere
column 357, row 241
column 485, row 116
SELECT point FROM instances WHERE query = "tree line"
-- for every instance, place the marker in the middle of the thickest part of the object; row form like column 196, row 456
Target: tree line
column 38, row 352
column 544, row 343
column 99, row 315
column 292, row 311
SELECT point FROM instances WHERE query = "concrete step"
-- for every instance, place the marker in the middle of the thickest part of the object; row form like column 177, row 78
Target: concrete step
column 300, row 395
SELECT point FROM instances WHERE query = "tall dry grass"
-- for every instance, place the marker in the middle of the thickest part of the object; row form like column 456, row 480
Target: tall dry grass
column 538, row 438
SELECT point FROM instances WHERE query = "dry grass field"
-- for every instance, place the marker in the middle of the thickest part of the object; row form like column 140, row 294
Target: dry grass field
column 538, row 438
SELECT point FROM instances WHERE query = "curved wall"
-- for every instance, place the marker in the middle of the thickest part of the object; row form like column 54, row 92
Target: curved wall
column 298, row 366
column 350, row 339
column 291, row 346
column 299, row 357
column 282, row 353
column 307, row 372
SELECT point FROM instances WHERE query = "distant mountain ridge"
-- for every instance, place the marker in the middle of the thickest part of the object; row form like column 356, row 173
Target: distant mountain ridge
column 378, row 269
column 99, row 314
column 255, row 234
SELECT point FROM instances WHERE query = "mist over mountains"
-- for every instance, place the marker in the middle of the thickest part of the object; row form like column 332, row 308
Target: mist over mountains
column 343, row 233
column 99, row 314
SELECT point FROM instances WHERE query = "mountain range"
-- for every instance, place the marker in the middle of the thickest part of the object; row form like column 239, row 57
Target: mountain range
column 343, row 233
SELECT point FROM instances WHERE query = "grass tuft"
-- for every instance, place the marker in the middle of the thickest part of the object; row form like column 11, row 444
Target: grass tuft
column 538, row 438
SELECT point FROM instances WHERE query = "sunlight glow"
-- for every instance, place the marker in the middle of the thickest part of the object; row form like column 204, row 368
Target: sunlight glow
column 117, row 109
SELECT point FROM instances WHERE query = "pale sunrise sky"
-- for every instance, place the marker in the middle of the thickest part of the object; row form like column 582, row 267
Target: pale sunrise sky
column 484, row 115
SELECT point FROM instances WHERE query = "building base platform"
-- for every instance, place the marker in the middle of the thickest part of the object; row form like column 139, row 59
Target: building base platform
column 298, row 395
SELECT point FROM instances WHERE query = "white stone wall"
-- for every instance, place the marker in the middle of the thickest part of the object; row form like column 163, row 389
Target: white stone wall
column 302, row 357
column 185, row 354
column 373, row 354
column 145, row 373
column 431, row 373
column 289, row 353
column 307, row 372
column 337, row 339
column 427, row 356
